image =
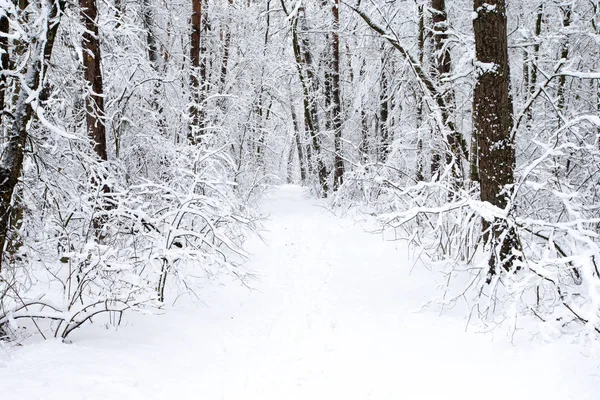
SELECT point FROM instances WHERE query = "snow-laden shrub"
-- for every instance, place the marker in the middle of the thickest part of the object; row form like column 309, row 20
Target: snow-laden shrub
column 84, row 250
column 554, row 210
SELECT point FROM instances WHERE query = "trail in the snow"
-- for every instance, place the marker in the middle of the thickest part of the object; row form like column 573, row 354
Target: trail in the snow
column 333, row 316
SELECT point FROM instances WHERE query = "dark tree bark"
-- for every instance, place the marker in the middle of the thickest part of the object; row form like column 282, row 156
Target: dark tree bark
column 338, row 168
column 11, row 164
column 260, row 132
column 196, row 119
column 308, row 67
column 152, row 47
column 384, row 111
column 440, row 27
column 564, row 55
column 455, row 151
column 94, row 100
column 533, row 68
column 492, row 122
column 421, row 43
column 4, row 62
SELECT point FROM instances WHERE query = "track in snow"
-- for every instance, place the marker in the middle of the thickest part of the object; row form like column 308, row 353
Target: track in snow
column 333, row 316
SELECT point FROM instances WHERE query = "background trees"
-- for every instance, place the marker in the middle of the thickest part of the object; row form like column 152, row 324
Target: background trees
column 185, row 109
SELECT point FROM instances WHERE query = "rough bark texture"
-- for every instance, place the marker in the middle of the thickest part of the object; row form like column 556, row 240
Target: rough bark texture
column 492, row 122
column 338, row 168
column 421, row 43
column 12, row 159
column 94, row 101
column 440, row 26
column 4, row 61
column 195, row 128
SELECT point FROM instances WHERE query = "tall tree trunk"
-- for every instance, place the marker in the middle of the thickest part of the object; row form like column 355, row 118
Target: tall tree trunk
column 421, row 43
column 308, row 67
column 455, row 151
column 308, row 102
column 94, row 100
column 492, row 122
column 154, row 58
column 384, row 111
column 564, row 55
column 298, row 142
column 260, row 132
column 4, row 62
column 338, row 169
column 227, row 44
column 195, row 128
column 148, row 19
column 534, row 57
column 11, row 164
column 595, row 20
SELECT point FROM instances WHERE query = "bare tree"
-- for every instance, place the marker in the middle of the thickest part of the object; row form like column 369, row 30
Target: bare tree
column 94, row 99
column 197, row 77
column 4, row 59
column 456, row 150
column 12, row 159
column 338, row 169
column 303, row 63
column 492, row 120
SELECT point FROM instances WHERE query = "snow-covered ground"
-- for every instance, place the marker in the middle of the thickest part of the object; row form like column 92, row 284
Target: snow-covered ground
column 335, row 314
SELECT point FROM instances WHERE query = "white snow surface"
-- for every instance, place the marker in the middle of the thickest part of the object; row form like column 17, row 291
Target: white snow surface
column 335, row 314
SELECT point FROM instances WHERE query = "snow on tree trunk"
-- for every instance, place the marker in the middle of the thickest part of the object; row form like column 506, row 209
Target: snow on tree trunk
column 338, row 169
column 492, row 120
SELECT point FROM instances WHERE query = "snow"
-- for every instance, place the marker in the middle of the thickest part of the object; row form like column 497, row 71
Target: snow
column 335, row 314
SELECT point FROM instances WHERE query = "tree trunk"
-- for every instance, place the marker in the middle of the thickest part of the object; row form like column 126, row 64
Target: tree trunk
column 421, row 43
column 308, row 101
column 4, row 62
column 534, row 58
column 154, row 58
column 492, row 122
column 94, row 100
column 338, row 169
column 195, row 128
column 11, row 164
column 384, row 111
column 455, row 151
column 226, row 45
column 564, row 55
column 298, row 141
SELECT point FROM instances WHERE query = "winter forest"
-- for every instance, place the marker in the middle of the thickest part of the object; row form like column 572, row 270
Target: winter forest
column 257, row 176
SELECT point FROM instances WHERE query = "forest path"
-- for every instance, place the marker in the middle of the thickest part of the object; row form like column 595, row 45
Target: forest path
column 334, row 315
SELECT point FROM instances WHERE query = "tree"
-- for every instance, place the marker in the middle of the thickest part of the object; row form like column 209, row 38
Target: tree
column 4, row 59
column 94, row 99
column 12, row 159
column 338, row 169
column 197, row 77
column 304, row 68
column 492, row 123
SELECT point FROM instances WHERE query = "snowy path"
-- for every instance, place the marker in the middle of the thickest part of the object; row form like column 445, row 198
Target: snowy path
column 332, row 317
